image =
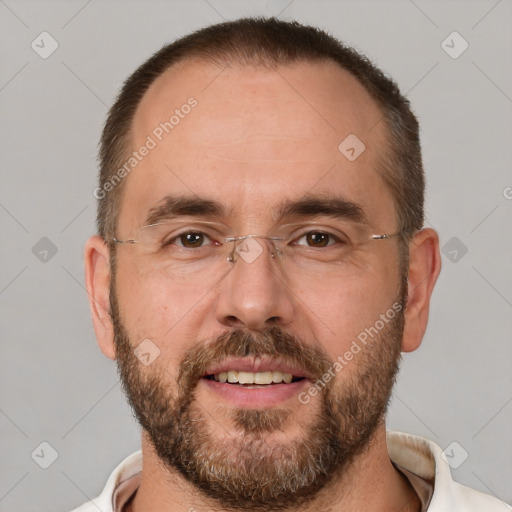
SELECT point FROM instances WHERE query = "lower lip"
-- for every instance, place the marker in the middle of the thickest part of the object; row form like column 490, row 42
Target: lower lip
column 256, row 397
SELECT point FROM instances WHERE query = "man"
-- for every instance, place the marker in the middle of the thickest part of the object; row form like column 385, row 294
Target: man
column 260, row 266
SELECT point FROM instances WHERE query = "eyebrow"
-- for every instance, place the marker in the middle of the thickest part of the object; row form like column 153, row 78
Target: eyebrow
column 180, row 206
column 320, row 206
column 171, row 207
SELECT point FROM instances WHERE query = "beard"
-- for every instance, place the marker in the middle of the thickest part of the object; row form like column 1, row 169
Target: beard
column 246, row 467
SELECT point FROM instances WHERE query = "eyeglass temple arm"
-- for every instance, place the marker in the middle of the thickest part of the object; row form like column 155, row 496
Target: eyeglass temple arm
column 117, row 241
column 386, row 236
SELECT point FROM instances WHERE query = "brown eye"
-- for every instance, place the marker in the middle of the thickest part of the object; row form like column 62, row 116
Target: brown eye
column 191, row 240
column 317, row 239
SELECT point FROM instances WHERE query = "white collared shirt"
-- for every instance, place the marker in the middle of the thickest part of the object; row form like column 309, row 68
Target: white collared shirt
column 419, row 459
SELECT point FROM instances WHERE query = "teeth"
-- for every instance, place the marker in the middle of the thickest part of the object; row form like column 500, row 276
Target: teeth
column 277, row 377
column 263, row 378
column 260, row 378
column 245, row 378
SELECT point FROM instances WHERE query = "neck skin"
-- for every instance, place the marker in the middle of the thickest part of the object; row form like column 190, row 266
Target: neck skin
column 370, row 484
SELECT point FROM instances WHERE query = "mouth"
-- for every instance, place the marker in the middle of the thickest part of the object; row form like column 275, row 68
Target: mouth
column 255, row 382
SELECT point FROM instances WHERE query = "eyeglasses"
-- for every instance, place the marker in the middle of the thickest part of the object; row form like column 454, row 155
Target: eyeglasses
column 201, row 249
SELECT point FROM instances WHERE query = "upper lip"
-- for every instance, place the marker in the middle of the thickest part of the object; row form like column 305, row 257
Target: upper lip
column 256, row 364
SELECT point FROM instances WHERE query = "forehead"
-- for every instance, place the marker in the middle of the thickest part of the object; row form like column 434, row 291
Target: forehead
column 252, row 136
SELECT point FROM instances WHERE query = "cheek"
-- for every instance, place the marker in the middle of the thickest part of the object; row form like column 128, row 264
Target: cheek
column 151, row 308
column 340, row 310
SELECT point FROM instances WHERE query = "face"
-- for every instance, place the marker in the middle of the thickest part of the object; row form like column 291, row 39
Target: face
column 258, row 154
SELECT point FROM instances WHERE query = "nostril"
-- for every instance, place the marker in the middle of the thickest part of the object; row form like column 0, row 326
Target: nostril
column 234, row 321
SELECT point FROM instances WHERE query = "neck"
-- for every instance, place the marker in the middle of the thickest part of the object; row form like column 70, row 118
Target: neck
column 371, row 483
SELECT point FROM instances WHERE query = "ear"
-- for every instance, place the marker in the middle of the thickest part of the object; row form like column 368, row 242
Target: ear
column 424, row 268
column 97, row 282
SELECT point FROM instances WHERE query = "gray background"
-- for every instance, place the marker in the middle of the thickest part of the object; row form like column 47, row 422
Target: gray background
column 56, row 386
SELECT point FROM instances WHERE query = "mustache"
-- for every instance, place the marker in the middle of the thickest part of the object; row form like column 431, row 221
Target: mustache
column 272, row 343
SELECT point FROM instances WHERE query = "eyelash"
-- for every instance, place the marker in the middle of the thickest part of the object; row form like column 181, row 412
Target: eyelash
column 335, row 239
column 173, row 239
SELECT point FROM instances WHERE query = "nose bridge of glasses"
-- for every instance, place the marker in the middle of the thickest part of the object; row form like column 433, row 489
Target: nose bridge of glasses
column 249, row 249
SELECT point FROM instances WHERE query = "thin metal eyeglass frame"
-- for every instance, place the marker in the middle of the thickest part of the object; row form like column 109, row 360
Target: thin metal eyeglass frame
column 231, row 258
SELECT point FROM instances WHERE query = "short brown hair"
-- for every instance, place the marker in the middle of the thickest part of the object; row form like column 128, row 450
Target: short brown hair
column 269, row 42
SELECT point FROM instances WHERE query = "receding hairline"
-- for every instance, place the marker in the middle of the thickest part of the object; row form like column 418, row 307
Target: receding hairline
column 222, row 61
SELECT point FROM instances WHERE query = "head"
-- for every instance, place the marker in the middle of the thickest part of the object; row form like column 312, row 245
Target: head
column 242, row 128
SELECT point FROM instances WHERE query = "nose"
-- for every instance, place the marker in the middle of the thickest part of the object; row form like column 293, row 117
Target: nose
column 255, row 294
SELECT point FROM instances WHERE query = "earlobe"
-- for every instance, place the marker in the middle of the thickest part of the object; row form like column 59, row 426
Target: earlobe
column 424, row 269
column 97, row 281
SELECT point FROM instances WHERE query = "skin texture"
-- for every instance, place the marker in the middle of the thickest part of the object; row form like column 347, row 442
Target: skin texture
column 256, row 137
